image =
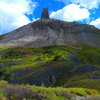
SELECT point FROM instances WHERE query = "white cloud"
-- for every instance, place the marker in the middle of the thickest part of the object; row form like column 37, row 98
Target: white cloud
column 96, row 23
column 12, row 13
column 71, row 12
column 85, row 3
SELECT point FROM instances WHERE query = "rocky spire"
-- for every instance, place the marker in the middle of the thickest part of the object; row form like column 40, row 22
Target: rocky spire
column 45, row 14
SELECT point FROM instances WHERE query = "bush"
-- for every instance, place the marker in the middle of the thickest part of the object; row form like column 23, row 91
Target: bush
column 3, row 71
column 35, row 93
column 43, row 85
column 83, row 91
column 2, row 97
column 20, row 92
column 79, row 92
column 7, row 76
column 57, row 58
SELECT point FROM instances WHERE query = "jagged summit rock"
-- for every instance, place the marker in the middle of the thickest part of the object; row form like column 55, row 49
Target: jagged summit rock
column 47, row 31
column 45, row 14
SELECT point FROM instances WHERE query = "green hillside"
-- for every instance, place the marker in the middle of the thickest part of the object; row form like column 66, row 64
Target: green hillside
column 54, row 66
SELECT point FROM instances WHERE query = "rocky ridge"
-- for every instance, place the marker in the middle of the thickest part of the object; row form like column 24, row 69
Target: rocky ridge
column 45, row 14
column 46, row 32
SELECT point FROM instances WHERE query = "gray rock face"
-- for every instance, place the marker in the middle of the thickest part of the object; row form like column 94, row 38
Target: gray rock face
column 46, row 32
column 45, row 14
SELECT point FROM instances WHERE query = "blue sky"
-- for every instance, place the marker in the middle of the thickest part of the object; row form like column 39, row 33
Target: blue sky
column 16, row 13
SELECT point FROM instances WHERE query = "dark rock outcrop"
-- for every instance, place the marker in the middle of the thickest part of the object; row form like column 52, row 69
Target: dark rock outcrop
column 45, row 14
column 9, row 64
column 50, row 75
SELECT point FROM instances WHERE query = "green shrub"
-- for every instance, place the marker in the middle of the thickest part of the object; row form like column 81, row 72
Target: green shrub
column 52, row 85
column 20, row 92
column 79, row 92
column 57, row 58
column 83, row 91
column 3, row 71
column 2, row 96
column 43, row 85
column 13, row 97
column 7, row 76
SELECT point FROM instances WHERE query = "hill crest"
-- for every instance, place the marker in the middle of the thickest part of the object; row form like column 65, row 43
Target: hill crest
column 46, row 32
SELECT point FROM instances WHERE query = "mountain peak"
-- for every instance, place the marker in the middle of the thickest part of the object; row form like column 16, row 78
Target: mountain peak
column 47, row 31
column 45, row 14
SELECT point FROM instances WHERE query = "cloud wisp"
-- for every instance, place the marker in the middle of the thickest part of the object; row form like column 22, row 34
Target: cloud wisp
column 12, row 14
column 96, row 23
column 71, row 12
column 89, row 4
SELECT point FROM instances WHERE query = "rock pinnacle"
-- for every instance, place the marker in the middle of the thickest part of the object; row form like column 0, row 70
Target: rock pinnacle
column 45, row 14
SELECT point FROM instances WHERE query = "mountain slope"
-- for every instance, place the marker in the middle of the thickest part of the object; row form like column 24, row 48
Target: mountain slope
column 52, row 65
column 46, row 32
column 55, row 54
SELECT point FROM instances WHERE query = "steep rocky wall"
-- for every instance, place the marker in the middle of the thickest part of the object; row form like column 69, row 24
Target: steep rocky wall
column 45, row 32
